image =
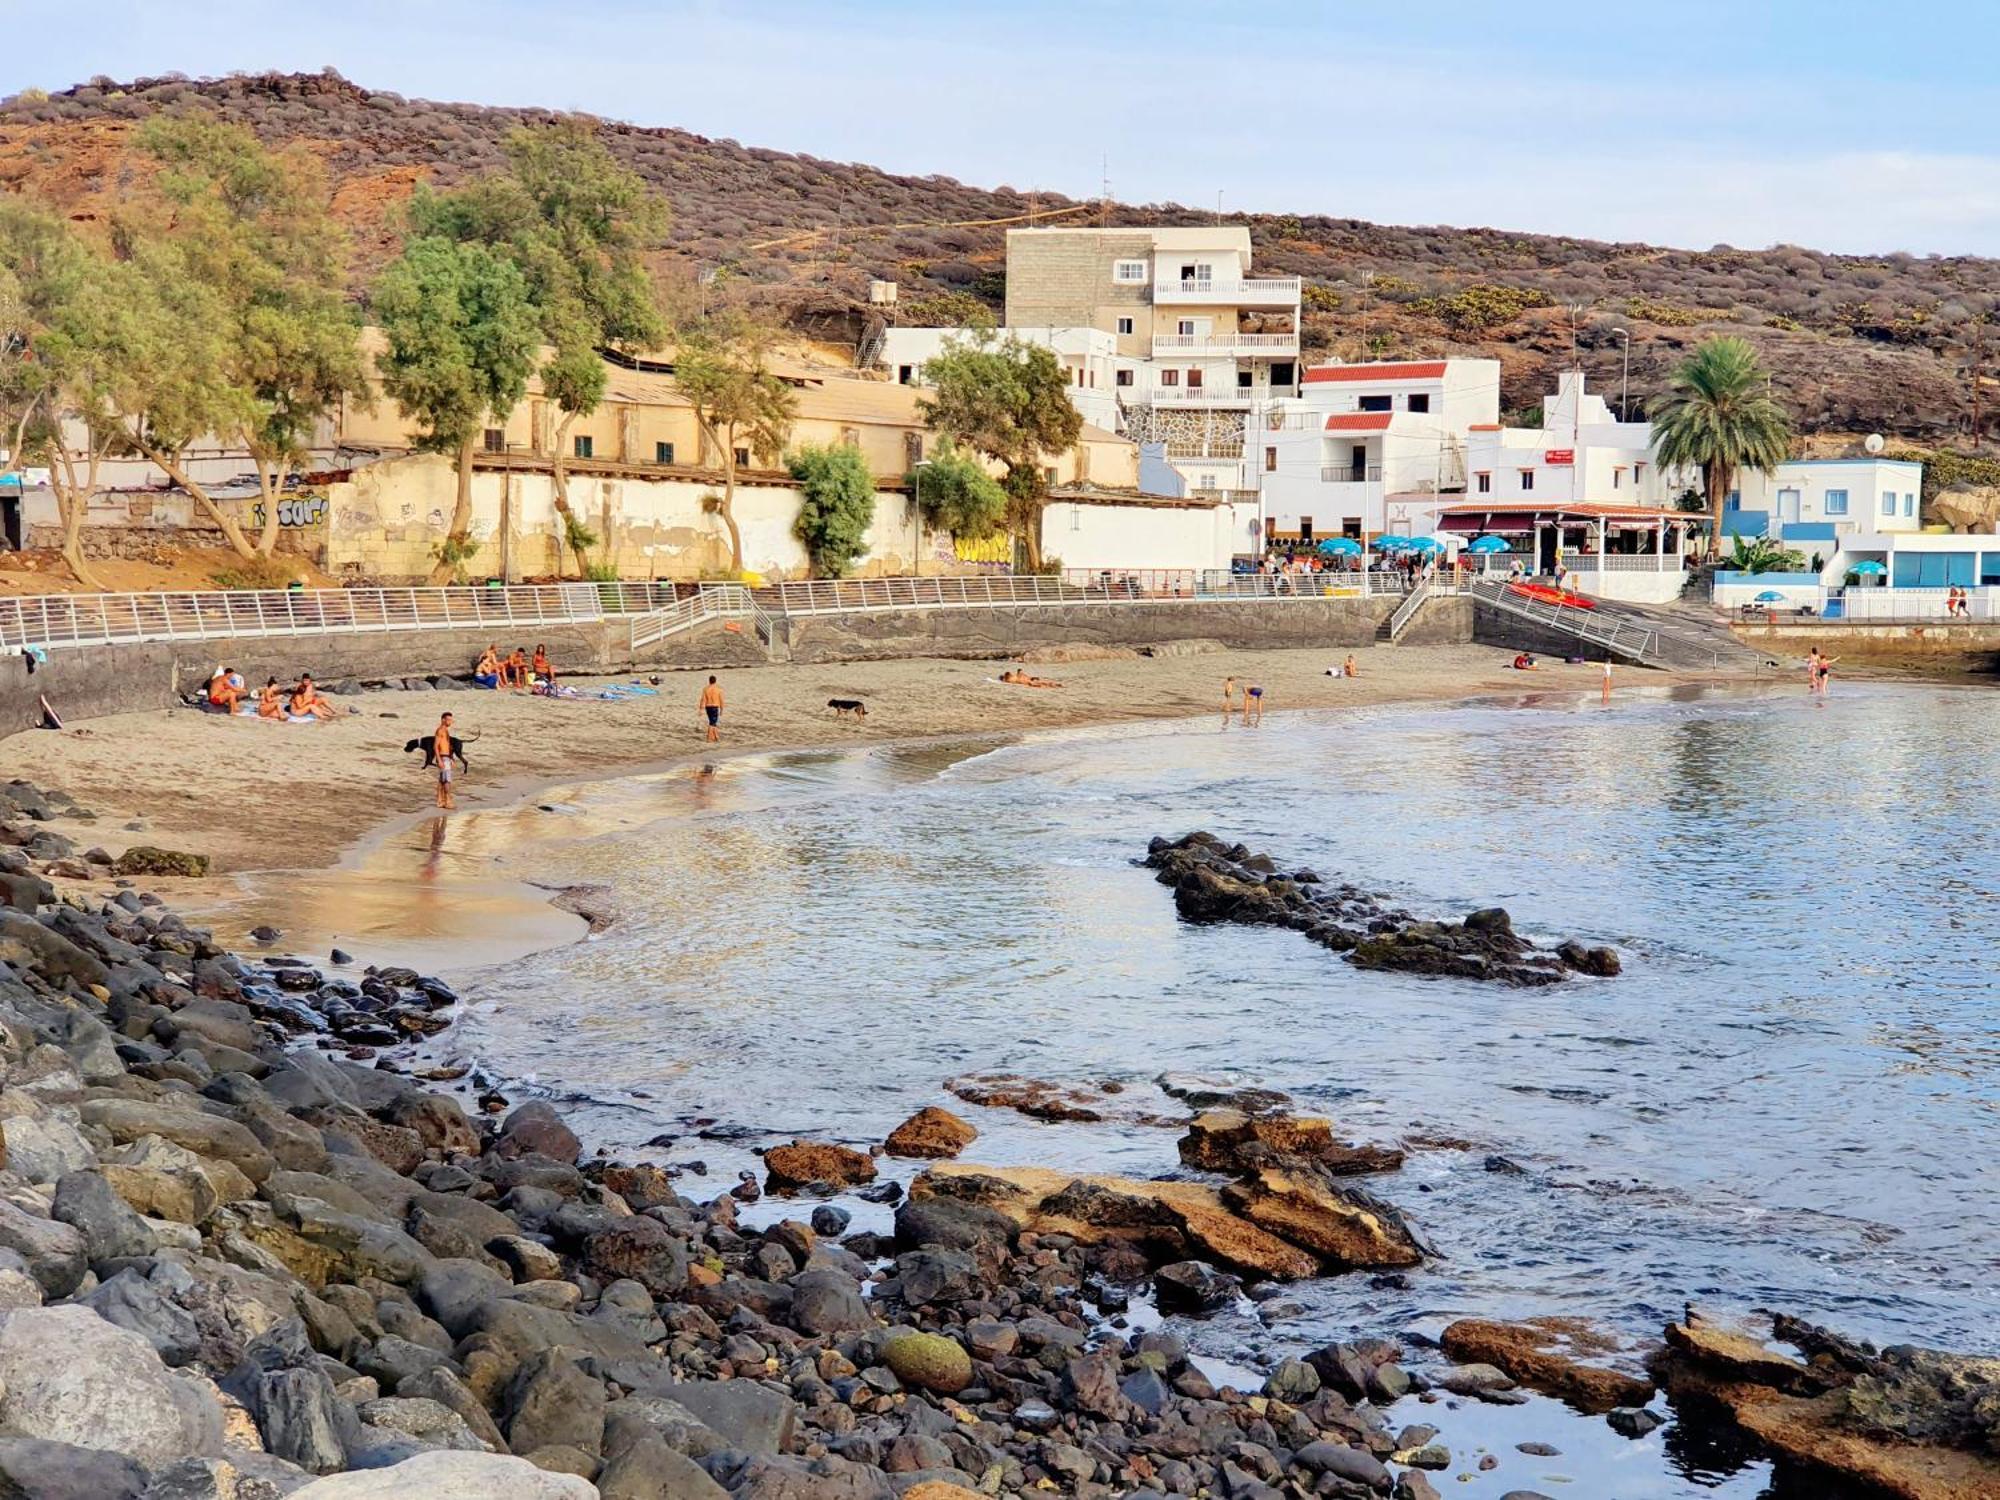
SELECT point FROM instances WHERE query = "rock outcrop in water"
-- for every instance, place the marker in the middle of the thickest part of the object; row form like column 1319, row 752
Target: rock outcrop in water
column 1218, row 882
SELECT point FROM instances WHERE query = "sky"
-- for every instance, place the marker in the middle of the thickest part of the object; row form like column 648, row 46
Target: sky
column 1842, row 126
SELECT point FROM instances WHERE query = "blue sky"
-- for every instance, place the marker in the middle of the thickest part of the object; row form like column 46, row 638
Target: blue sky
column 1838, row 125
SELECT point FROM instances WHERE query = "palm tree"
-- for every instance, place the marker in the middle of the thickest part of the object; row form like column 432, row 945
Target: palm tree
column 1719, row 417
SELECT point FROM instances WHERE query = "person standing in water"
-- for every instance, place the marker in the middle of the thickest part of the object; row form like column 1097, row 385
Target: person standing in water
column 441, row 749
column 711, row 707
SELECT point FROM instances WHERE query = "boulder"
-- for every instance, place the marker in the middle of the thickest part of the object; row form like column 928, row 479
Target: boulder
column 649, row 1470
column 34, row 1469
column 130, row 1301
column 930, row 1361
column 536, row 1129
column 553, row 1403
column 68, row 1376
column 930, row 1132
column 744, row 1414
column 828, row 1301
column 804, row 1163
column 52, row 1252
column 1230, row 1140
column 451, row 1476
column 43, row 1148
column 110, row 1230
column 1344, row 1227
column 204, row 1134
column 641, row 1249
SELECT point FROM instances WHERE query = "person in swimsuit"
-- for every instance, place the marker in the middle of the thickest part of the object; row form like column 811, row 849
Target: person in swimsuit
column 1228, row 697
column 1813, row 663
column 544, row 673
column 225, row 689
column 711, row 706
column 487, row 673
column 1524, row 662
column 441, row 749
column 1349, row 666
column 1253, row 705
column 307, row 701
column 271, row 701
column 516, row 675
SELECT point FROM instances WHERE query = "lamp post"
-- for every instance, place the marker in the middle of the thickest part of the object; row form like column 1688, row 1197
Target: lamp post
column 917, row 516
column 1624, row 337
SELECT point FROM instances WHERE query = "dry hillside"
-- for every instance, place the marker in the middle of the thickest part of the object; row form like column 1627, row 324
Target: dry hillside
column 1856, row 344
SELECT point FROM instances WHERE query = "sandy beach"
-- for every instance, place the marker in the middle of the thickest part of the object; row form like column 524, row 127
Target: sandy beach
column 257, row 796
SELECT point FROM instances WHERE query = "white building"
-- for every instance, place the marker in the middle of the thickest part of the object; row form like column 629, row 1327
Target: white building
column 1580, row 453
column 1155, row 540
column 1368, row 448
column 1088, row 356
column 1813, row 504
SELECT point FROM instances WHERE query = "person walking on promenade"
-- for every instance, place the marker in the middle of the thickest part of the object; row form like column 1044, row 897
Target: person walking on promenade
column 711, row 707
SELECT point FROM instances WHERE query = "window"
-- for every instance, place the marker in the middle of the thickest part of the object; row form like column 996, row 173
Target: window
column 1128, row 272
column 584, row 444
column 1421, row 402
column 1889, row 502
column 1527, row 480
column 496, row 440
column 1835, row 503
column 1124, row 377
column 663, row 453
column 1194, row 380
column 1483, row 480
column 1185, row 327
column 1170, row 377
column 1049, row 474
column 1934, row 570
column 1638, row 475
column 1124, row 325
column 1989, row 569
column 1372, row 403
column 1305, row 528
column 913, row 449
column 1242, row 380
column 1618, row 478
column 906, row 374
column 1909, row 504
column 1270, row 460
column 743, row 457
column 1734, row 502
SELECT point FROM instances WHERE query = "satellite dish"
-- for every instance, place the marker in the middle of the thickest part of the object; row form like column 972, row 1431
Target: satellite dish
column 1873, row 442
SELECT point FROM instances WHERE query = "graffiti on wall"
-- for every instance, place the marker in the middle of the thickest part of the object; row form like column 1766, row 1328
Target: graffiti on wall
column 301, row 510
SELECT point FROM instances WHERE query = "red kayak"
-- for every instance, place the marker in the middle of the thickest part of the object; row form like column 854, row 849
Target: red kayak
column 1543, row 593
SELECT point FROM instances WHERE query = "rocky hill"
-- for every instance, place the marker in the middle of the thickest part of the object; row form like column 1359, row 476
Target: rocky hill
column 1856, row 344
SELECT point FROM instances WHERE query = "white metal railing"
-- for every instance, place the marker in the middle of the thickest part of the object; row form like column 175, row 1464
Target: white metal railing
column 1289, row 287
column 1199, row 395
column 1624, row 562
column 1223, row 343
column 1407, row 610
column 1349, row 474
column 713, row 601
column 62, row 620
column 1866, row 604
column 1639, row 642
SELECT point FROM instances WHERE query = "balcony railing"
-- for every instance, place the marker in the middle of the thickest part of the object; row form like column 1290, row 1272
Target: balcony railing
column 1201, row 395
column 1350, row 474
column 1219, row 289
column 1225, row 343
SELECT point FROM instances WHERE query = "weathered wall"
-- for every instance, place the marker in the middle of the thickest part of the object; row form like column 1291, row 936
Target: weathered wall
column 1972, row 646
column 1005, row 632
column 1444, row 621
column 1493, row 627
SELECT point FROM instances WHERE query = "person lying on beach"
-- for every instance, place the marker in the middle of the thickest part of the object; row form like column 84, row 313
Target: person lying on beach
column 1524, row 662
column 487, row 673
column 271, row 701
column 225, row 689
column 1021, row 677
column 308, row 701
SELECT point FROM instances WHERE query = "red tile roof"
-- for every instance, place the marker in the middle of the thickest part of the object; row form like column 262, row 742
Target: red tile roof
column 1359, row 421
column 1428, row 370
column 1483, row 427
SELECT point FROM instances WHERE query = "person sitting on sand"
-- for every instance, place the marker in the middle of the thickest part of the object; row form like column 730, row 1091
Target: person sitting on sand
column 516, row 675
column 308, row 702
column 544, row 673
column 1350, row 667
column 225, row 689
column 1524, row 661
column 271, row 701
column 487, row 673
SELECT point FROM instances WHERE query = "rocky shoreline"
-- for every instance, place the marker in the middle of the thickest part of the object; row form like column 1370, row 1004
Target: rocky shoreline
column 241, row 1256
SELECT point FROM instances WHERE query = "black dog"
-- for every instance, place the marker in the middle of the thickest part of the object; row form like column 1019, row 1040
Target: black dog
column 428, row 744
column 842, row 707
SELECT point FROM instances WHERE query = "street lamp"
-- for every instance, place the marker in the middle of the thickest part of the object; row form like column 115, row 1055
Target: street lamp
column 1624, row 337
column 917, row 516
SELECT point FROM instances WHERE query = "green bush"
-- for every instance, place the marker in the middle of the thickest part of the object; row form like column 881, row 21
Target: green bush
column 1476, row 309
column 837, row 501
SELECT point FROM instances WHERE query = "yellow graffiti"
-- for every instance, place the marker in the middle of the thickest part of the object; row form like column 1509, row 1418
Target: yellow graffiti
column 994, row 549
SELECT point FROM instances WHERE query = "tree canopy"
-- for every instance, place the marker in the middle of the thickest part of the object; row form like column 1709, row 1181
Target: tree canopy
column 837, row 504
column 954, row 493
column 1718, row 416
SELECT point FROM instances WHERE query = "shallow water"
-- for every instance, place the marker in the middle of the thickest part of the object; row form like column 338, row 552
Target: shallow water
column 1788, row 1101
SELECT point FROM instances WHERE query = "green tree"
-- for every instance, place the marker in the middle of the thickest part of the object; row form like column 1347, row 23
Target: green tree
column 462, row 339
column 1009, row 401
column 954, row 493
column 836, row 506
column 63, row 316
column 1718, row 416
column 578, row 225
column 722, row 367
column 248, row 272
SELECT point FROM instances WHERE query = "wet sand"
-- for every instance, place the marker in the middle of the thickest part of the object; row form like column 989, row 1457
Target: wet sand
column 257, row 796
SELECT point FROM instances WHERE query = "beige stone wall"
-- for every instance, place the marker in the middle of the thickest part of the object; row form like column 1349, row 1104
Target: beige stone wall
column 1062, row 279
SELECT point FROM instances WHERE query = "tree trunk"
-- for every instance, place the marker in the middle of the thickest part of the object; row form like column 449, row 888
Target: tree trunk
column 73, row 507
column 559, row 476
column 271, row 486
column 461, row 519
column 170, row 466
column 729, row 513
column 1718, row 493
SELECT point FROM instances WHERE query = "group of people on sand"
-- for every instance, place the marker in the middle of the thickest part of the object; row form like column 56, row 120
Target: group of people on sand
column 517, row 671
column 227, row 693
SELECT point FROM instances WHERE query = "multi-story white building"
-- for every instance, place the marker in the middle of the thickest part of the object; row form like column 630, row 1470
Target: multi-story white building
column 1368, row 448
column 1579, row 453
column 1812, row 504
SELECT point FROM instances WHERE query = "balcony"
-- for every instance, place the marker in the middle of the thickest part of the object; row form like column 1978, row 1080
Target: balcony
column 1350, row 474
column 1199, row 395
column 1259, row 291
column 1269, row 345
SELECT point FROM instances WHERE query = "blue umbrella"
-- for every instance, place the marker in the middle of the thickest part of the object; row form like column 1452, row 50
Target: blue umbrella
column 1392, row 543
column 1770, row 596
column 1489, row 544
column 1871, row 566
column 1425, row 544
column 1339, row 546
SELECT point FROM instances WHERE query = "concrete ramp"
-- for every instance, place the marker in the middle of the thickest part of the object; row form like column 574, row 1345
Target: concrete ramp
column 1666, row 636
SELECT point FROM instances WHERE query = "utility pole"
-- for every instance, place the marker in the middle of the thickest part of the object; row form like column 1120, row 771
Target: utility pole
column 1978, row 375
